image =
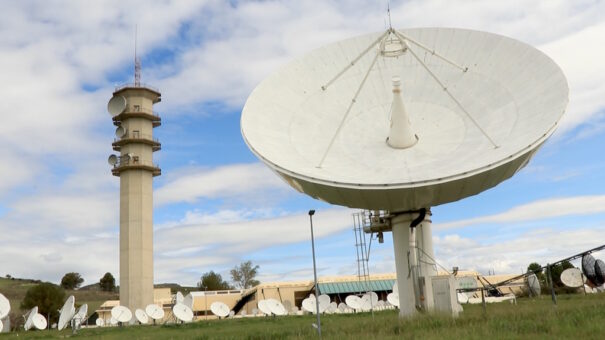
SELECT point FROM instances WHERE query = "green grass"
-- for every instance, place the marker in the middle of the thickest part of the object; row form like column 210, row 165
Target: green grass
column 575, row 317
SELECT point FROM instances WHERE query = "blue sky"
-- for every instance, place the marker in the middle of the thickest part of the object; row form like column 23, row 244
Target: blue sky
column 215, row 204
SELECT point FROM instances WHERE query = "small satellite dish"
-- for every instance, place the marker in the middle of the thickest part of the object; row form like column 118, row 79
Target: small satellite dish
column 81, row 314
column 572, row 278
column 243, row 312
column 393, row 299
column 100, row 322
column 254, row 311
column 120, row 132
column 154, row 311
column 533, row 284
column 276, row 307
column 264, row 307
column 5, row 306
column 342, row 306
column 67, row 313
column 462, row 298
column 324, row 303
column 599, row 268
column 30, row 318
column 220, row 309
column 231, row 314
column 116, row 105
column 369, row 301
column 5, row 325
column 308, row 305
column 588, row 267
column 113, row 321
column 121, row 313
column 182, row 312
column 188, row 301
column 112, row 160
column 39, row 322
column 141, row 316
column 353, row 301
column 179, row 296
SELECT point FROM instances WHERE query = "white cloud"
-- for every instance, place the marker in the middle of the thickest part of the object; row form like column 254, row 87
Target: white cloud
column 538, row 210
column 224, row 181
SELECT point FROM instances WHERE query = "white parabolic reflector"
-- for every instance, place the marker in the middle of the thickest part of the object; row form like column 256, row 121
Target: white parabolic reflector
column 121, row 313
column 5, row 306
column 154, row 311
column 182, row 312
column 39, row 321
column 476, row 125
column 572, row 277
column 67, row 312
column 220, row 309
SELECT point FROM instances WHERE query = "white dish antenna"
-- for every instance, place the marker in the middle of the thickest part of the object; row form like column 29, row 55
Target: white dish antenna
column 254, row 311
column 462, row 298
column 113, row 321
column 100, row 322
column 5, row 306
column 308, row 305
column 231, row 314
column 141, row 316
column 220, row 309
column 182, row 312
column 67, row 313
column 116, row 105
column 179, row 296
column 112, row 160
column 243, row 312
column 121, row 132
column 393, row 299
column 188, row 301
column 276, row 307
column 154, row 311
column 121, row 313
column 80, row 315
column 353, row 301
column 39, row 321
column 264, row 307
column 30, row 318
column 369, row 301
column 533, row 284
column 1, row 326
column 572, row 277
column 323, row 122
column 324, row 302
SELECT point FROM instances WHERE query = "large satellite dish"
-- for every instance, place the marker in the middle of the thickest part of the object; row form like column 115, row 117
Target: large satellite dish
column 67, row 312
column 121, row 313
column 264, row 307
column 182, row 312
column 377, row 122
column 80, row 315
column 116, row 105
column 5, row 306
column 219, row 309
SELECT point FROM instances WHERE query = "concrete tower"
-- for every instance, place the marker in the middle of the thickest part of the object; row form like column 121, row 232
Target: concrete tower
column 132, row 110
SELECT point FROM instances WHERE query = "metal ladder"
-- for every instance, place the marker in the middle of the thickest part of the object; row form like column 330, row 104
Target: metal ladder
column 360, row 220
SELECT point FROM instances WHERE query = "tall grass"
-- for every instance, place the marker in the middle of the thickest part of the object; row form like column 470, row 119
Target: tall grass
column 575, row 317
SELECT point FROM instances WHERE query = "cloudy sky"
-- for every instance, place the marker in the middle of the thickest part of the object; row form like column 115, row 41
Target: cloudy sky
column 216, row 205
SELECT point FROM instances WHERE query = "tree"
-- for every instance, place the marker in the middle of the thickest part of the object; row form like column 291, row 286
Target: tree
column 48, row 297
column 213, row 281
column 107, row 283
column 535, row 267
column 244, row 274
column 71, row 281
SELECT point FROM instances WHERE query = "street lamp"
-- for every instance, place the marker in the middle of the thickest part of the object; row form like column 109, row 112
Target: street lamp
column 311, row 213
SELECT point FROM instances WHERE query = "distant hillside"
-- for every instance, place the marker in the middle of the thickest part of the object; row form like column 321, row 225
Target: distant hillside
column 175, row 287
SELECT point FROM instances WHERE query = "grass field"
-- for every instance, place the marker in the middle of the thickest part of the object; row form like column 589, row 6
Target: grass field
column 575, row 316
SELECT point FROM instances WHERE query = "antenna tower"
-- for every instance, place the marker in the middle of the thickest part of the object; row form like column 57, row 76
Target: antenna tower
column 137, row 62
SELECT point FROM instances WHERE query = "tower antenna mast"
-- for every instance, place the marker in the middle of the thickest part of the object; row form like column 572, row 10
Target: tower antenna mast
column 137, row 61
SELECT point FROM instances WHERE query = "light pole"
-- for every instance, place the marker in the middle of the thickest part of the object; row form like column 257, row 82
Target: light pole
column 311, row 212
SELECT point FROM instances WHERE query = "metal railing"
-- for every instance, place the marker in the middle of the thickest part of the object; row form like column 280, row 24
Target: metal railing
column 123, row 86
column 136, row 135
